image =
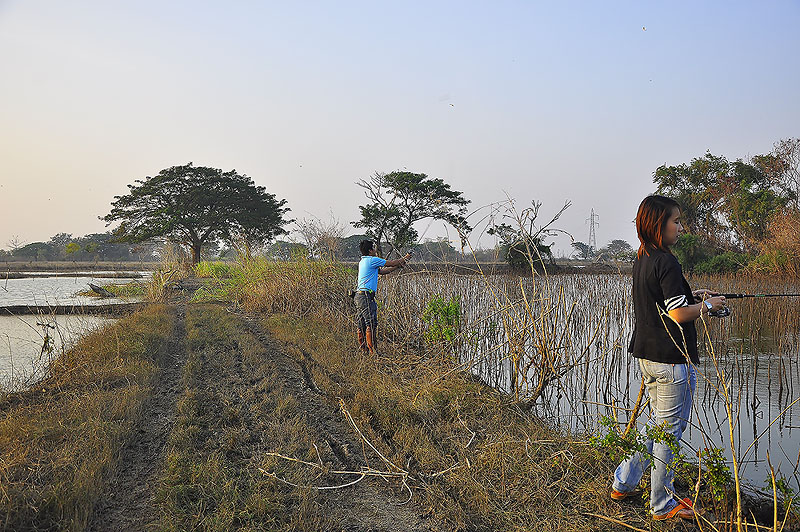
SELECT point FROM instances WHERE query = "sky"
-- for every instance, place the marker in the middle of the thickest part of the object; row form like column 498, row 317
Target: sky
column 545, row 101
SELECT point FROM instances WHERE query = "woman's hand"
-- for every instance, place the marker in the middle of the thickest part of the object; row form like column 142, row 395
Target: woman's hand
column 692, row 312
column 703, row 293
column 717, row 302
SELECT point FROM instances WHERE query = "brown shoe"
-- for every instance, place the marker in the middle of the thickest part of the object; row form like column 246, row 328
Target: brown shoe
column 683, row 510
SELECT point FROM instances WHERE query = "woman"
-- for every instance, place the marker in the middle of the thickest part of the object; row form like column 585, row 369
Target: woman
column 665, row 342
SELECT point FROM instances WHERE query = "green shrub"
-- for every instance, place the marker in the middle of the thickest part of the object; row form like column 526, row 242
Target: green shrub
column 725, row 263
column 773, row 261
column 442, row 320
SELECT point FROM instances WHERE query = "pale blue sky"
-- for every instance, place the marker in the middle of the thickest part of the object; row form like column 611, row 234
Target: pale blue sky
column 551, row 101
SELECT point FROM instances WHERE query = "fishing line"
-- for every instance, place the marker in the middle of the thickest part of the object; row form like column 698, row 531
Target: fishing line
column 740, row 296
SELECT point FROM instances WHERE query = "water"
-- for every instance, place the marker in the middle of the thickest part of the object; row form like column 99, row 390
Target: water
column 54, row 290
column 22, row 359
column 587, row 322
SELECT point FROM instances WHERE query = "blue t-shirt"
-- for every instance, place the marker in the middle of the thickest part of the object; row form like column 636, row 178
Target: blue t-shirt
column 368, row 272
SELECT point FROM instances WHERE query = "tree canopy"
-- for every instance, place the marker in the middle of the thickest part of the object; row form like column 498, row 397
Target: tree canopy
column 197, row 205
column 738, row 212
column 398, row 200
column 728, row 204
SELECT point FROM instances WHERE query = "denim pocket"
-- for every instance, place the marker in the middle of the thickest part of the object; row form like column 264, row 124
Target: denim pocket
column 664, row 373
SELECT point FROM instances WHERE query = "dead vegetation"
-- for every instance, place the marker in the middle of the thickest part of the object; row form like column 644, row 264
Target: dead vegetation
column 471, row 454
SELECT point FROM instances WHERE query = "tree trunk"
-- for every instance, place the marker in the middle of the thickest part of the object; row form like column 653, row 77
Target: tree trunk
column 196, row 252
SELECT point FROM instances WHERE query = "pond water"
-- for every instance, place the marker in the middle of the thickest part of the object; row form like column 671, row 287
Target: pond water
column 53, row 290
column 581, row 324
column 22, row 337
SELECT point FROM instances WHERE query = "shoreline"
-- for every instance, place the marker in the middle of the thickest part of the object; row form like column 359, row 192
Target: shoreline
column 115, row 309
column 9, row 267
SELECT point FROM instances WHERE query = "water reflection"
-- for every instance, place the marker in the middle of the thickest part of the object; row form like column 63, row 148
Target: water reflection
column 756, row 349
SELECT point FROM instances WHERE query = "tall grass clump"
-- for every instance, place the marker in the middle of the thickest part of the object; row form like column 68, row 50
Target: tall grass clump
column 175, row 265
column 298, row 287
column 60, row 440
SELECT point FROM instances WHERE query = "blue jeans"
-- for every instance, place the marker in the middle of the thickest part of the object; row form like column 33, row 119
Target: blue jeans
column 670, row 387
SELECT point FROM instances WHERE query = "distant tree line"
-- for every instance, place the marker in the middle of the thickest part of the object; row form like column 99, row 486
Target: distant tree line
column 88, row 248
column 617, row 250
column 740, row 213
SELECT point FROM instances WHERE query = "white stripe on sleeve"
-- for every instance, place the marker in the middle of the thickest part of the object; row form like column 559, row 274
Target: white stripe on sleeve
column 675, row 302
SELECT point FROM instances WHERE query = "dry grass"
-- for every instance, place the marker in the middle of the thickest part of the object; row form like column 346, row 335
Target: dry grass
column 474, row 457
column 61, row 439
column 297, row 287
column 233, row 410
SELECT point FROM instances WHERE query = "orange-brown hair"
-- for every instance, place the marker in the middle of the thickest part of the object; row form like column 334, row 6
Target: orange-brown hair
column 654, row 212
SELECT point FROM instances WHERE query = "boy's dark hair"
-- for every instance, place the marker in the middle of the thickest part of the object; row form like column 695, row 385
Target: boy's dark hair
column 365, row 246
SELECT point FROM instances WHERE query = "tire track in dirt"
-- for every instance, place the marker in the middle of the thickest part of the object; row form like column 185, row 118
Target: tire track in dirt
column 372, row 504
column 127, row 503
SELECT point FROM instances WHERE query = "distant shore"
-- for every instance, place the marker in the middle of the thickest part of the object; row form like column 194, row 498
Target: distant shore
column 8, row 267
column 112, row 269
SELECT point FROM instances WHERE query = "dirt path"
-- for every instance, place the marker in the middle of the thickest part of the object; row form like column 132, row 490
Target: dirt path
column 371, row 505
column 128, row 501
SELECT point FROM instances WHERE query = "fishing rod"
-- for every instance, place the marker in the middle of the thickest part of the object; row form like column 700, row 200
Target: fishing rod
column 726, row 311
column 740, row 296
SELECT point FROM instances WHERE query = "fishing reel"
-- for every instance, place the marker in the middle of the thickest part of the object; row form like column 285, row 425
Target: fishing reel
column 724, row 312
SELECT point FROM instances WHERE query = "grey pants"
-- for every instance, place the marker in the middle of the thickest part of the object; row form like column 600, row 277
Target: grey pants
column 367, row 310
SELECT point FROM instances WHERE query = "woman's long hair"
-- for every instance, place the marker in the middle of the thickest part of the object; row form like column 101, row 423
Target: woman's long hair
column 654, row 212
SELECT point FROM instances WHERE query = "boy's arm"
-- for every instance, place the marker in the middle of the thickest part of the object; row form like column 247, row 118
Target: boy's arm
column 398, row 262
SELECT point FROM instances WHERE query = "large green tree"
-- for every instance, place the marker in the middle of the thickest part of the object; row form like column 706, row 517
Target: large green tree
column 196, row 205
column 727, row 204
column 398, row 200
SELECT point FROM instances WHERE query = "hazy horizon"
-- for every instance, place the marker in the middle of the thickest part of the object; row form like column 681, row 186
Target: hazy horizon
column 535, row 101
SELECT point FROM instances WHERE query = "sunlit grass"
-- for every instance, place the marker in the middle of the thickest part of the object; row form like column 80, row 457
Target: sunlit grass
column 211, row 479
